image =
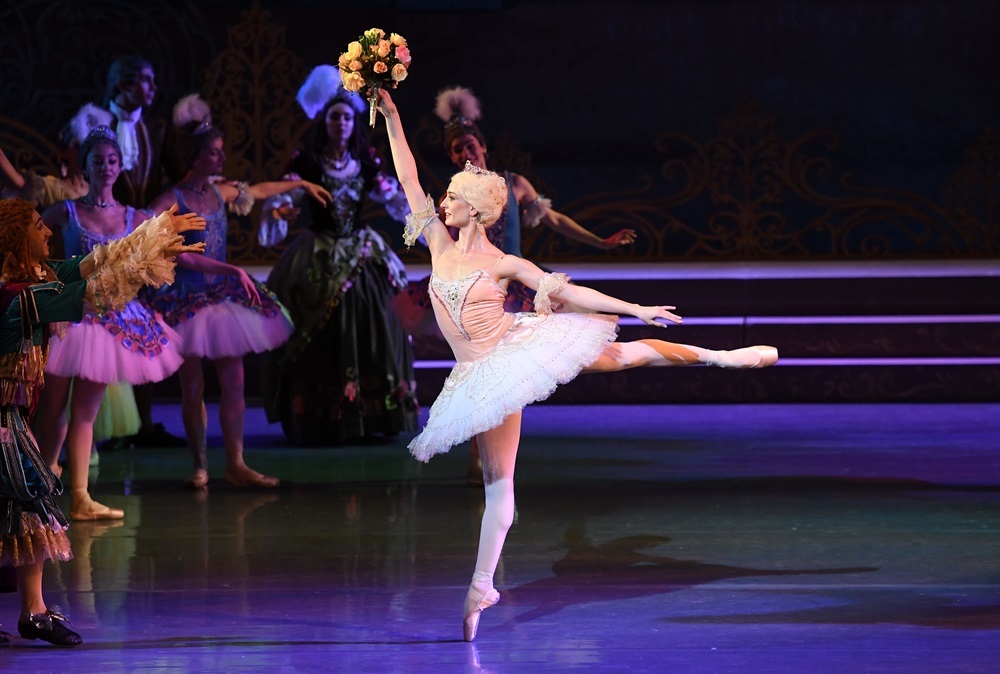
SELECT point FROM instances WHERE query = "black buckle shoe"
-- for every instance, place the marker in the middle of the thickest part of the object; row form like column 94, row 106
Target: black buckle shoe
column 50, row 626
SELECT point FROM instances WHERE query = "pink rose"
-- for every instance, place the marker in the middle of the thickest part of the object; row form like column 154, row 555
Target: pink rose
column 403, row 54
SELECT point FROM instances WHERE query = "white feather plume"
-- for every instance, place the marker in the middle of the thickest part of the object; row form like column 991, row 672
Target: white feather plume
column 318, row 89
column 321, row 87
column 89, row 118
column 191, row 108
column 457, row 101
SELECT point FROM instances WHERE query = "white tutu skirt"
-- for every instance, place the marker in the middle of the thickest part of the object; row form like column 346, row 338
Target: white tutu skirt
column 536, row 355
column 229, row 329
column 129, row 346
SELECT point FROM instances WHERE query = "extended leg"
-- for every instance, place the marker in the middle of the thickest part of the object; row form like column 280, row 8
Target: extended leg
column 658, row 353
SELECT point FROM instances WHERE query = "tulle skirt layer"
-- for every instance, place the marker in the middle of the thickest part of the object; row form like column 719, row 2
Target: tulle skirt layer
column 220, row 321
column 229, row 329
column 536, row 355
column 90, row 351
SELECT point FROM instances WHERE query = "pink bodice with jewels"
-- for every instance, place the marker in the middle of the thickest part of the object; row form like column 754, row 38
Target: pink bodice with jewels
column 470, row 313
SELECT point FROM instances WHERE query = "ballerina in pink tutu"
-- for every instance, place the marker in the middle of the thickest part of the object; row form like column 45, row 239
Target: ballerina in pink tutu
column 105, row 348
column 219, row 310
column 506, row 361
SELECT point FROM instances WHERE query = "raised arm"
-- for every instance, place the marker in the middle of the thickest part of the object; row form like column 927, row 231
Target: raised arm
column 9, row 176
column 434, row 231
column 557, row 286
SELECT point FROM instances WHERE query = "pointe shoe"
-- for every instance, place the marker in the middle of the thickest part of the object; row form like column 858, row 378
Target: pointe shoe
column 251, row 478
column 197, row 480
column 50, row 626
column 747, row 358
column 86, row 509
column 476, row 601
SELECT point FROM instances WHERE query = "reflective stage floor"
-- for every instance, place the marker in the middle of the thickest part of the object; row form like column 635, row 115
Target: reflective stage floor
column 754, row 538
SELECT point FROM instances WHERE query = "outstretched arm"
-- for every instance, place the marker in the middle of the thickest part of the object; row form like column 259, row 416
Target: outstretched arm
column 434, row 232
column 115, row 271
column 241, row 196
column 270, row 189
column 558, row 286
column 537, row 210
column 568, row 227
column 157, row 238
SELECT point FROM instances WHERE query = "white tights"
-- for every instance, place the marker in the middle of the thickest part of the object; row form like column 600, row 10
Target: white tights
column 498, row 450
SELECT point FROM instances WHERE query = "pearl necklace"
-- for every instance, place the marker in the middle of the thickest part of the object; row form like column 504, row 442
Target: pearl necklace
column 93, row 203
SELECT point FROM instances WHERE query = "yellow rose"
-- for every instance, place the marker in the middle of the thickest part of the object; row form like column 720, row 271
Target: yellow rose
column 352, row 81
column 353, row 50
column 355, row 65
column 399, row 72
column 397, row 40
column 384, row 47
column 380, row 67
column 344, row 61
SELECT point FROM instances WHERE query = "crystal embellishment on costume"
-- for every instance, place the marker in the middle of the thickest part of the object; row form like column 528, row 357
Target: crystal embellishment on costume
column 452, row 295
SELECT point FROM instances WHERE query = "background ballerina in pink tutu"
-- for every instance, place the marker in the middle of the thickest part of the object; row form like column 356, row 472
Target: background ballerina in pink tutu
column 107, row 347
column 219, row 310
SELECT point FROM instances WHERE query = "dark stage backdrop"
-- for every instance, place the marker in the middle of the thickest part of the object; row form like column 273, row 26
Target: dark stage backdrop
column 719, row 130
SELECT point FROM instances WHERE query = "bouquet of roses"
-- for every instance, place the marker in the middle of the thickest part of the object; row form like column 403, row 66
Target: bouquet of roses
column 373, row 62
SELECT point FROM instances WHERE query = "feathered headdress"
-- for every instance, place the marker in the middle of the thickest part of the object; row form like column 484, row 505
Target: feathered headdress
column 457, row 106
column 87, row 119
column 193, row 108
column 322, row 86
